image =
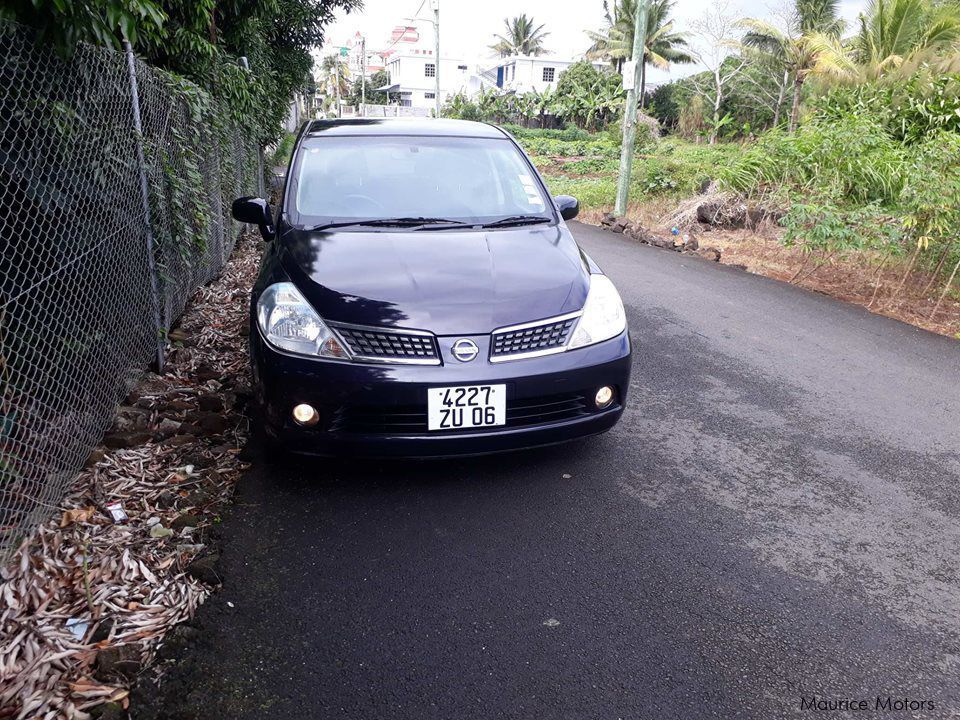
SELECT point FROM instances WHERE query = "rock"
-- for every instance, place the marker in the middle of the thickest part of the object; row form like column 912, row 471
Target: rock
column 118, row 661
column 131, row 418
column 210, row 403
column 708, row 212
column 640, row 234
column 709, row 253
column 729, row 215
column 166, row 499
column 95, row 456
column 198, row 460
column 619, row 225
column 184, row 521
column 205, row 570
column 102, row 631
column 205, row 372
column 662, row 242
column 199, row 498
column 213, row 424
column 126, row 439
column 607, row 220
column 167, row 428
column 758, row 214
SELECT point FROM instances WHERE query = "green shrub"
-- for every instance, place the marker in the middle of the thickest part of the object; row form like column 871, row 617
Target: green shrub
column 570, row 132
column 827, row 228
column 280, row 156
column 910, row 110
column 851, row 158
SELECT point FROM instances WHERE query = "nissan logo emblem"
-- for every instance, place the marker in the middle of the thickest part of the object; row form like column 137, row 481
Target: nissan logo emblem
column 465, row 350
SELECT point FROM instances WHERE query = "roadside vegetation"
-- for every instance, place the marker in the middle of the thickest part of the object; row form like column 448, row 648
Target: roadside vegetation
column 847, row 139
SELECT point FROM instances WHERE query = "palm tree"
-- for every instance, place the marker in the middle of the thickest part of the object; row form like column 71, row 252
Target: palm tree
column 809, row 47
column 893, row 31
column 663, row 46
column 334, row 78
column 522, row 38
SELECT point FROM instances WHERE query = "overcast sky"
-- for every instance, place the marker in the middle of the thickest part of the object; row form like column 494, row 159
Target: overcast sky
column 467, row 26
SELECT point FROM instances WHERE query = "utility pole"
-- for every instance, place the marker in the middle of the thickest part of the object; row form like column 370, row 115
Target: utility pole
column 435, row 4
column 630, row 110
column 363, row 74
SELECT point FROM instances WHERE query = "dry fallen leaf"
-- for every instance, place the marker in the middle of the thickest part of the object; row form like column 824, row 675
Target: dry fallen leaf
column 81, row 557
column 77, row 515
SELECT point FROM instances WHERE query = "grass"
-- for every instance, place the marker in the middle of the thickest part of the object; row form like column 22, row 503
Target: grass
column 587, row 167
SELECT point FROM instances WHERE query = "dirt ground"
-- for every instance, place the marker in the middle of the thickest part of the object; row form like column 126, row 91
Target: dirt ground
column 863, row 280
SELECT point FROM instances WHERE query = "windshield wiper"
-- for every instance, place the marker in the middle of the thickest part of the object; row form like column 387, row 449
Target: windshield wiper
column 517, row 220
column 386, row 222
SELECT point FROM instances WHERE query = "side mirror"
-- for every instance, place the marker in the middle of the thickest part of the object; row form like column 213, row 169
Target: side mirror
column 568, row 206
column 255, row 211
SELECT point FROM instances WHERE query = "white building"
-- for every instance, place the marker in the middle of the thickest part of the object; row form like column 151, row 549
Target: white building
column 413, row 75
column 522, row 73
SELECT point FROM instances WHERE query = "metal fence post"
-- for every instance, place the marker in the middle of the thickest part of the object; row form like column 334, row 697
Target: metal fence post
column 261, row 181
column 145, row 196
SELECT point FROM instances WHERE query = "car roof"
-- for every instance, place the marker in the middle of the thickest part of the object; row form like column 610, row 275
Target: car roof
column 403, row 126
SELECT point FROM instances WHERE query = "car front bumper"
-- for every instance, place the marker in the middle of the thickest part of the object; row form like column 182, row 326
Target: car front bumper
column 380, row 410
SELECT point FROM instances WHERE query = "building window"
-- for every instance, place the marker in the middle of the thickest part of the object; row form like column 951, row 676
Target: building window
column 548, row 74
column 430, row 70
column 430, row 96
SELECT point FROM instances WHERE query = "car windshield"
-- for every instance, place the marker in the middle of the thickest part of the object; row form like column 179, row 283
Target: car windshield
column 338, row 180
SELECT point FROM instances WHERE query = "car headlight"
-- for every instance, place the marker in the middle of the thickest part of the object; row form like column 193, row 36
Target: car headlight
column 603, row 316
column 288, row 322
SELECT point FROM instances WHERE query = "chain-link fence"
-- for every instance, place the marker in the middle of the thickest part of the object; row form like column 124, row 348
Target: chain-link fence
column 105, row 232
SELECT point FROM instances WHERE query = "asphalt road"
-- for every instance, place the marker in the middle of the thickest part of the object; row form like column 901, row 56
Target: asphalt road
column 777, row 516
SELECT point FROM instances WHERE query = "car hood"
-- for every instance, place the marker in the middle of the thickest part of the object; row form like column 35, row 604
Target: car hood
column 448, row 282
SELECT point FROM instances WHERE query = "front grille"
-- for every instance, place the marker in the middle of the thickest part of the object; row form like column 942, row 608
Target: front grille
column 412, row 419
column 389, row 345
column 548, row 336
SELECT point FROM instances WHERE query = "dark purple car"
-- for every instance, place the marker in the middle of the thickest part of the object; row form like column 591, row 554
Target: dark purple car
column 422, row 296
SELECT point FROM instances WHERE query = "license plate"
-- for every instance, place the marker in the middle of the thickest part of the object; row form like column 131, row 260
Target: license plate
column 466, row 406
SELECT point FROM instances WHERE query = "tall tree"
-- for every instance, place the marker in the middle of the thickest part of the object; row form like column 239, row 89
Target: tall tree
column 716, row 31
column 334, row 80
column 523, row 37
column 893, row 31
column 663, row 46
column 802, row 49
column 202, row 41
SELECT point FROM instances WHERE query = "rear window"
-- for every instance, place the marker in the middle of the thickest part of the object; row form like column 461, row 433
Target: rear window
column 371, row 177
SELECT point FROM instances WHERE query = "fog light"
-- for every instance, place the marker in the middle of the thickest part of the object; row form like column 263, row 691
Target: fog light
column 604, row 397
column 305, row 414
